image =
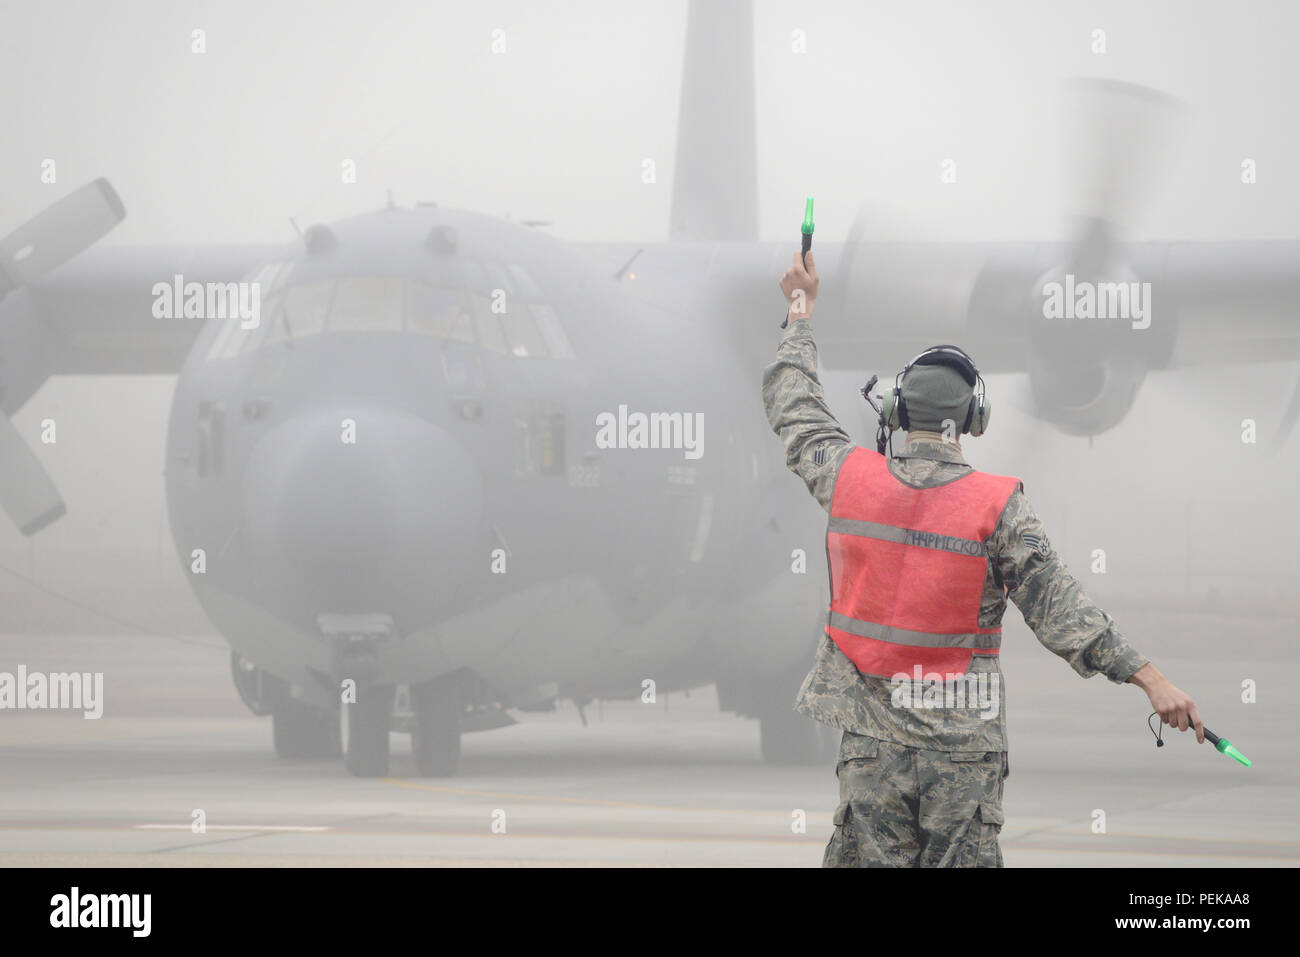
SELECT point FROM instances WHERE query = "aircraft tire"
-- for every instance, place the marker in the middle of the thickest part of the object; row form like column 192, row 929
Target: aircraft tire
column 363, row 731
column 435, row 743
column 300, row 731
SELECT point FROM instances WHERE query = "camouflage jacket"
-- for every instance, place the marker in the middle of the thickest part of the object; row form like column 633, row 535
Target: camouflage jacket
column 1022, row 566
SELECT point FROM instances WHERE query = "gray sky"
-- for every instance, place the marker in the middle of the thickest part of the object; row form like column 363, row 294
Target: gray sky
column 227, row 145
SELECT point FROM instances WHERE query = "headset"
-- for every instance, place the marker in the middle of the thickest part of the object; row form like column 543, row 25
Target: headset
column 893, row 410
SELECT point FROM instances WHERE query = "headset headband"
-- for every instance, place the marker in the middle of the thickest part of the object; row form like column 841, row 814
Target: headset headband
column 893, row 414
column 953, row 357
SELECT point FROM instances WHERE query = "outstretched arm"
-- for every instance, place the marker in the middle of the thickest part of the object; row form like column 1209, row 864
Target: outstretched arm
column 1068, row 623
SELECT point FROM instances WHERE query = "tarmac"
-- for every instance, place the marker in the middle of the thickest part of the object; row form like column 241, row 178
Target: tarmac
column 676, row 783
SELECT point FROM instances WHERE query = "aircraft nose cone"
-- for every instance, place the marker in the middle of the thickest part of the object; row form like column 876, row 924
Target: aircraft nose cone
column 386, row 522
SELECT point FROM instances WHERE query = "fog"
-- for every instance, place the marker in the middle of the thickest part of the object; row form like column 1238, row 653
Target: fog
column 243, row 144
column 228, row 145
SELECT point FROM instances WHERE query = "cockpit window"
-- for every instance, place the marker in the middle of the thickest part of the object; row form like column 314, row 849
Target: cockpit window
column 488, row 326
column 548, row 324
column 523, row 282
column 532, row 328
column 370, row 303
column 499, row 309
column 521, row 332
column 300, row 311
column 235, row 333
column 442, row 313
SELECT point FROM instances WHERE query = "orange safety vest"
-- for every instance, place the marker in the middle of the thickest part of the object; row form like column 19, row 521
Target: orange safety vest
column 908, row 567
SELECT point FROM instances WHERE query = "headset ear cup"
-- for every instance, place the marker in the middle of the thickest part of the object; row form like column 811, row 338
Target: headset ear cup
column 980, row 420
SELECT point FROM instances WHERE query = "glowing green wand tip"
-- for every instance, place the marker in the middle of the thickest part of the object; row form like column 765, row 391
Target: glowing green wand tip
column 804, row 245
column 1225, row 747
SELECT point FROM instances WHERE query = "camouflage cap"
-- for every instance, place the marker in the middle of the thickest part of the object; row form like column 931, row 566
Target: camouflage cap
column 933, row 394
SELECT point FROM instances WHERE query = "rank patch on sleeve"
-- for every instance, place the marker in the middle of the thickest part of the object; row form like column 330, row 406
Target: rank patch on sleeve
column 1038, row 543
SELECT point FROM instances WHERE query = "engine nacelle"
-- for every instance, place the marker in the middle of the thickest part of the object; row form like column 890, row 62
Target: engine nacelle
column 1091, row 340
column 1085, row 398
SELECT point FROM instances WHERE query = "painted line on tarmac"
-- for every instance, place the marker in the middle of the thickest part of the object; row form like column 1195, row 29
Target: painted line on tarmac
column 233, row 827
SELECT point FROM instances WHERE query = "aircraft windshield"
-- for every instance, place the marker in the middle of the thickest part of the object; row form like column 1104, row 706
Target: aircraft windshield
column 501, row 313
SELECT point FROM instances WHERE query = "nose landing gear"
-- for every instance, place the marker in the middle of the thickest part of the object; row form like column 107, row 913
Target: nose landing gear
column 433, row 718
column 370, row 707
column 366, row 705
column 363, row 730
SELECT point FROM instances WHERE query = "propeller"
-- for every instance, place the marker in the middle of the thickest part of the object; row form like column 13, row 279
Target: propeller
column 1117, row 136
column 1127, row 130
column 57, row 233
column 49, row 239
column 27, row 493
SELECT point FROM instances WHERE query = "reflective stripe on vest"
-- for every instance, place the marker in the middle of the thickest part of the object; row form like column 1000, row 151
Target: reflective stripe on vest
column 908, row 567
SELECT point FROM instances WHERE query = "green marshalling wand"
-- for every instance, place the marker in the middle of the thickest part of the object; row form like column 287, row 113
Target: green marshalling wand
column 807, row 244
column 1224, row 746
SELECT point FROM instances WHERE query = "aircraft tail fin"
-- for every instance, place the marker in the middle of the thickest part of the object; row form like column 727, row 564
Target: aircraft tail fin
column 715, row 180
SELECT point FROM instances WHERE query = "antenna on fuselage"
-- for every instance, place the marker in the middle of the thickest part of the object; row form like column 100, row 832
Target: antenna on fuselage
column 623, row 269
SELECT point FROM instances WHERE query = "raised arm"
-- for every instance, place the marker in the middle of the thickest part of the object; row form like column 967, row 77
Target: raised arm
column 815, row 443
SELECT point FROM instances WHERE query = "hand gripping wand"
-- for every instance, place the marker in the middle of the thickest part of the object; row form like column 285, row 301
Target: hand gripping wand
column 807, row 245
column 1222, row 745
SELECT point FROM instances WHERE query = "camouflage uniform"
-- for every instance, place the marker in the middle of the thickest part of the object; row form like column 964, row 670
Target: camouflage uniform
column 923, row 786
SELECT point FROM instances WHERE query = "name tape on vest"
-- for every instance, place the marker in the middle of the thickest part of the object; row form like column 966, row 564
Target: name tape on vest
column 907, row 536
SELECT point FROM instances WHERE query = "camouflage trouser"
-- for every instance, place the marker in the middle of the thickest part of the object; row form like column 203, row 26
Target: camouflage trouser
column 903, row 807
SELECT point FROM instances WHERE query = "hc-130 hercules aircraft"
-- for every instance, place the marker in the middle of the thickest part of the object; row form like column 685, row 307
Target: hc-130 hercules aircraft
column 427, row 473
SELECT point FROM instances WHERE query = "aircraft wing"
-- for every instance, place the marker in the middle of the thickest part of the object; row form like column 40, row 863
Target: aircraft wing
column 1234, row 301
column 882, row 302
column 98, row 308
